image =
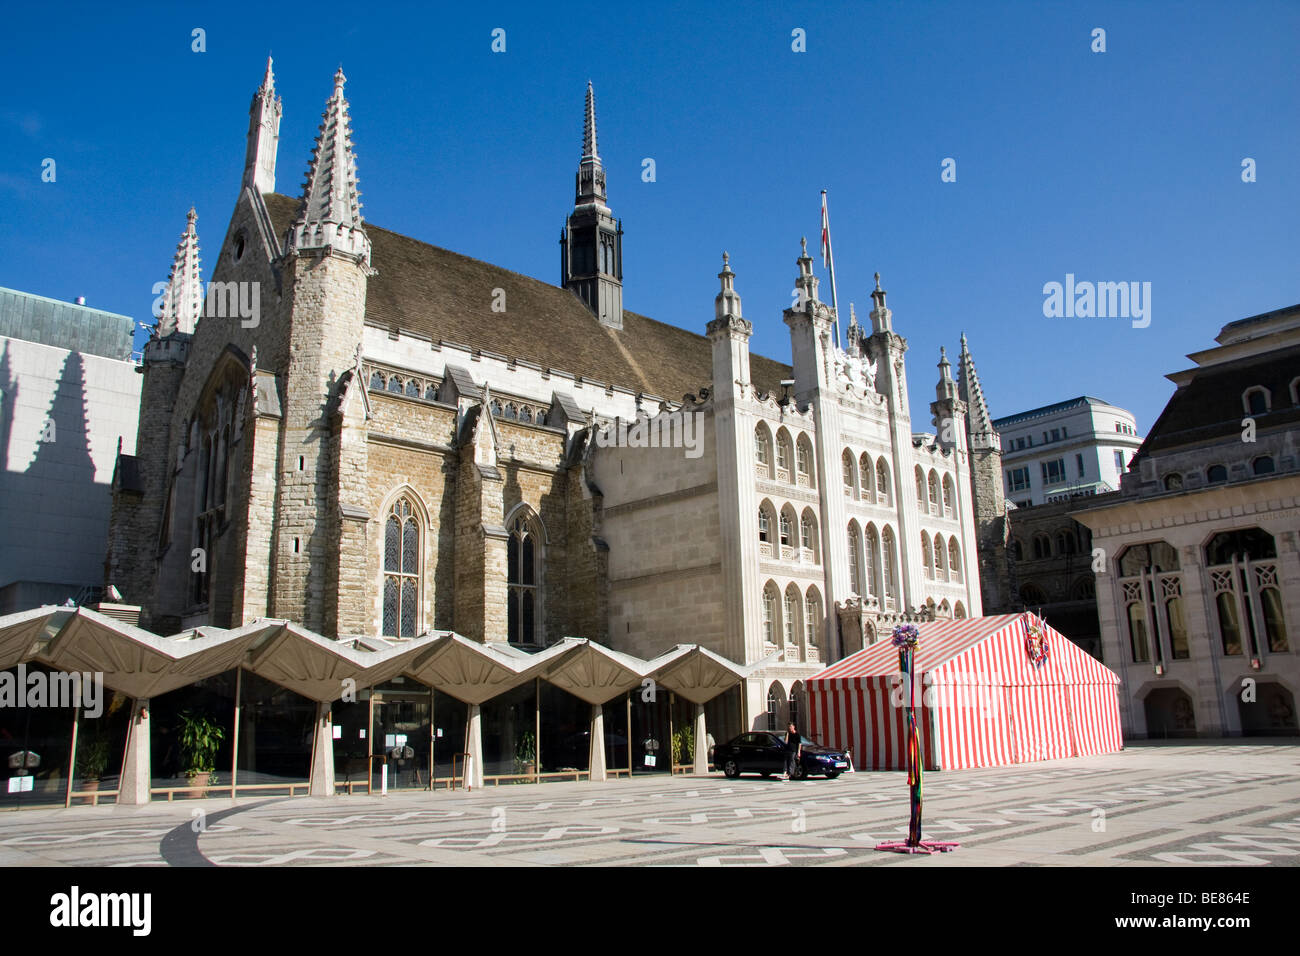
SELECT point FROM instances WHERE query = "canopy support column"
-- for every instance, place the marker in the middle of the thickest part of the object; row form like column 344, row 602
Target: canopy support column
column 701, row 742
column 596, row 757
column 322, row 754
column 133, row 785
column 474, row 747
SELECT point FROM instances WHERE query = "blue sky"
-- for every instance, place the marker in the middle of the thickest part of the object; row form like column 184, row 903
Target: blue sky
column 1115, row 166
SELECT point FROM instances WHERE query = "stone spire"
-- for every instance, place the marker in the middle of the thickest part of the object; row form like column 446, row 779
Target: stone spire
column 591, row 243
column 882, row 320
column 728, row 301
column 183, row 300
column 805, row 283
column 330, row 215
column 263, row 135
column 980, row 423
column 591, row 172
column 946, row 390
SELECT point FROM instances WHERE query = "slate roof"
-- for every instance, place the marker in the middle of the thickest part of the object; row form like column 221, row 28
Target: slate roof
column 447, row 297
column 1209, row 409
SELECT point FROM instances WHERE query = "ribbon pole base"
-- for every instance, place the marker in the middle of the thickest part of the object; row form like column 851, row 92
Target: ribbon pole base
column 925, row 846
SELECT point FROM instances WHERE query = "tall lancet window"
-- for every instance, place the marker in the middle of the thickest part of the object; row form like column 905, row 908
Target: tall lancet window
column 523, row 571
column 401, row 570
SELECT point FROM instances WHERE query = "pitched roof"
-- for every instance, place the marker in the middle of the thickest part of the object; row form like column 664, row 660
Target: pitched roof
column 448, row 297
column 1208, row 408
column 1002, row 661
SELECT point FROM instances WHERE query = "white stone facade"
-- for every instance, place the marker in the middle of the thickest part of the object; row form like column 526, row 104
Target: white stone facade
column 1072, row 448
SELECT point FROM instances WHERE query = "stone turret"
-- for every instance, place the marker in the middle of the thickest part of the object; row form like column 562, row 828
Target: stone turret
column 319, row 556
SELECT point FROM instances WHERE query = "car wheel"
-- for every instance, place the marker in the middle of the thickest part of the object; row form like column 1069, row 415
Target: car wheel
column 731, row 769
column 799, row 772
column 832, row 774
column 766, row 773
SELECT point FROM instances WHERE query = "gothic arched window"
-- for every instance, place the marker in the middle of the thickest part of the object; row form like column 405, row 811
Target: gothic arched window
column 769, row 613
column 401, row 570
column 523, row 571
column 812, row 615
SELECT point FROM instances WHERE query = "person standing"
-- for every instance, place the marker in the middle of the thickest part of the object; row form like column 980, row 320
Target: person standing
column 793, row 751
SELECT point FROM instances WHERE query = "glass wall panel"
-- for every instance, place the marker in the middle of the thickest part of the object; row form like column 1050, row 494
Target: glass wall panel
column 101, row 744
column 276, row 727
column 449, row 718
column 191, row 736
column 616, row 733
column 34, row 738
column 722, row 718
column 683, row 712
column 566, row 731
column 509, row 737
column 352, row 745
column 650, row 739
column 402, row 728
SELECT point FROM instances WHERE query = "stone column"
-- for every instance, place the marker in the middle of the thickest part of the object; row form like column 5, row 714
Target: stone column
column 701, row 742
column 322, row 754
column 474, row 747
column 596, row 758
column 133, row 785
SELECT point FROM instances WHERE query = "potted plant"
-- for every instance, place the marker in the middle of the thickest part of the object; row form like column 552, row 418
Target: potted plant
column 200, row 738
column 683, row 746
column 92, row 759
column 526, row 754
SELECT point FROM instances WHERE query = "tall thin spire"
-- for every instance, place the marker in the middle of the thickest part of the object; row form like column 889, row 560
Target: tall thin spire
column 970, row 392
column 589, row 126
column 183, row 300
column 330, row 214
column 263, row 135
column 590, row 186
column 591, row 244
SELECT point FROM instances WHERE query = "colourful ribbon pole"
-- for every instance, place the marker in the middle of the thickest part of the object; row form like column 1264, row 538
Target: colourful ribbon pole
column 907, row 638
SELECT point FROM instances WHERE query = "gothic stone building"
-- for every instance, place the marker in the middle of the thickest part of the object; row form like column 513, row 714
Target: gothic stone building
column 371, row 436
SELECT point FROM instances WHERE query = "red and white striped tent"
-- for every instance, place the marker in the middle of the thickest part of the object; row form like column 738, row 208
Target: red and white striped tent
column 982, row 700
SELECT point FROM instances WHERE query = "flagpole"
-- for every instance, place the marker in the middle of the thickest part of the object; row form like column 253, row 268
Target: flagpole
column 830, row 265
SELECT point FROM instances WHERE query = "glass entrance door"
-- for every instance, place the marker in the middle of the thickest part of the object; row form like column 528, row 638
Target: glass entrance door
column 402, row 727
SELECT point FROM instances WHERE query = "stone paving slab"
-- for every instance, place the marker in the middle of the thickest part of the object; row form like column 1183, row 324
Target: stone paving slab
column 1194, row 805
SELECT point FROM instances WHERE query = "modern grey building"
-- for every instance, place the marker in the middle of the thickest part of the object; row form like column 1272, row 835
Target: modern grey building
column 69, row 398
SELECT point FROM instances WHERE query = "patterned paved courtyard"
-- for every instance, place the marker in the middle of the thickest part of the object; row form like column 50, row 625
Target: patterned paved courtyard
column 1228, row 804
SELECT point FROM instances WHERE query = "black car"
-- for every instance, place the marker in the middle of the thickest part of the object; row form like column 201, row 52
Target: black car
column 763, row 752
